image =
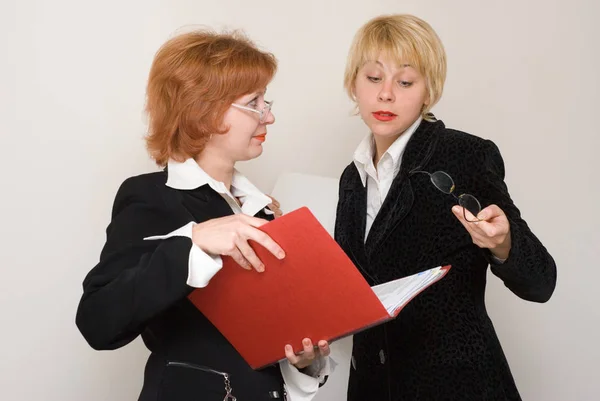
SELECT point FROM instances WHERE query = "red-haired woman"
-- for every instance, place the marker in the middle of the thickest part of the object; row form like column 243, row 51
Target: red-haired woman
column 205, row 100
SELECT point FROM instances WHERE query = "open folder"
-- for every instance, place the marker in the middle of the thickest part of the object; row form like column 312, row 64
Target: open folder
column 315, row 292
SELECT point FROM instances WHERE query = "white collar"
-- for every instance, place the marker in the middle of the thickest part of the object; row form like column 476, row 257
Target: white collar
column 189, row 175
column 363, row 155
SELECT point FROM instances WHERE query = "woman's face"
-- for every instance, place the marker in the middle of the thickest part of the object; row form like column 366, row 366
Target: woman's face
column 390, row 97
column 246, row 132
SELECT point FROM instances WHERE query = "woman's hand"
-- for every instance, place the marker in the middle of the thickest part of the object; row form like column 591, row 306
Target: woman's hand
column 229, row 236
column 492, row 231
column 274, row 207
column 308, row 355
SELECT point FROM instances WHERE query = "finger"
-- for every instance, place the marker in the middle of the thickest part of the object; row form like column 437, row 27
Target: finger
column 483, row 233
column 470, row 217
column 274, row 201
column 240, row 259
column 309, row 349
column 264, row 240
column 324, row 348
column 466, row 217
column 482, row 242
column 490, row 212
column 459, row 214
column 489, row 230
column 250, row 255
column 472, row 229
column 276, row 211
column 291, row 357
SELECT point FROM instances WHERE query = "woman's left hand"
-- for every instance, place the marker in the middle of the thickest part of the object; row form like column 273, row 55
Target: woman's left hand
column 492, row 231
column 308, row 355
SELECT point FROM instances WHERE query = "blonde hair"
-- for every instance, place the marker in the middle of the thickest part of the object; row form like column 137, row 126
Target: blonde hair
column 406, row 39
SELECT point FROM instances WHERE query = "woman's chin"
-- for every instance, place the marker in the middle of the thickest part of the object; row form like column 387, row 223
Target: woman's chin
column 254, row 151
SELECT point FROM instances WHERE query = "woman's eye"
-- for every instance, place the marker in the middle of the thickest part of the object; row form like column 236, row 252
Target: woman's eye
column 404, row 84
column 253, row 103
column 373, row 79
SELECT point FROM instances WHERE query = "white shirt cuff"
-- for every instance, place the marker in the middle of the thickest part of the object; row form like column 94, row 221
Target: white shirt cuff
column 300, row 386
column 201, row 266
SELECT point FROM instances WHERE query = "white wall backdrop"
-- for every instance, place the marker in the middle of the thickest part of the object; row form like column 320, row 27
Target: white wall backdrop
column 72, row 76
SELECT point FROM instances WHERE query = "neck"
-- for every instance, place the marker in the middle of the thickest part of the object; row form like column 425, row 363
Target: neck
column 382, row 144
column 219, row 168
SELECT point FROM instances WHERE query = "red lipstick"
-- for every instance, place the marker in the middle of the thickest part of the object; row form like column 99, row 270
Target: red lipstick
column 384, row 115
column 261, row 137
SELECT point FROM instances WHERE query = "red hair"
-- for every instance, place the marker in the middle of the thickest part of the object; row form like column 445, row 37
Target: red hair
column 193, row 80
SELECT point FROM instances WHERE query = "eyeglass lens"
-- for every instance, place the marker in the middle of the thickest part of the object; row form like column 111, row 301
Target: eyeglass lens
column 444, row 183
column 264, row 113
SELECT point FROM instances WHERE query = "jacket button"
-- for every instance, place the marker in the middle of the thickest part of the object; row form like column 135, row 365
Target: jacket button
column 381, row 357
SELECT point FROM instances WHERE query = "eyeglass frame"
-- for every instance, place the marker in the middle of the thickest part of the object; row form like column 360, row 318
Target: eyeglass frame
column 451, row 192
column 263, row 113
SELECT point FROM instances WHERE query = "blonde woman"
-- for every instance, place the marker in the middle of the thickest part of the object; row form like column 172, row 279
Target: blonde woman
column 418, row 195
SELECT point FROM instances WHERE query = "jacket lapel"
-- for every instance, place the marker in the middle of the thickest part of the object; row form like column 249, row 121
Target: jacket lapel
column 199, row 204
column 400, row 197
column 351, row 220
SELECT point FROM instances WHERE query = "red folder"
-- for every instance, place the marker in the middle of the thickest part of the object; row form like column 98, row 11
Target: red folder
column 314, row 292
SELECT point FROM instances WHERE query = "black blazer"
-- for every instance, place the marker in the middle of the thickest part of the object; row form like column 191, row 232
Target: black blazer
column 443, row 345
column 139, row 287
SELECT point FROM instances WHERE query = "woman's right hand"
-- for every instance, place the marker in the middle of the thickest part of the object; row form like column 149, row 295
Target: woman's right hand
column 229, row 236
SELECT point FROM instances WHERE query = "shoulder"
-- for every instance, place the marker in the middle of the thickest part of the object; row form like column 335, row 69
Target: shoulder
column 349, row 170
column 349, row 178
column 450, row 138
column 146, row 188
column 453, row 142
column 468, row 151
column 145, row 182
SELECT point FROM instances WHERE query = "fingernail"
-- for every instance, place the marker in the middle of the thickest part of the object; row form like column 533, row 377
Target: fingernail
column 288, row 347
column 281, row 255
column 306, row 342
column 261, row 268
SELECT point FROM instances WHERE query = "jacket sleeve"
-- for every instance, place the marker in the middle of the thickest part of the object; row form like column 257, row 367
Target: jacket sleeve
column 135, row 280
column 529, row 271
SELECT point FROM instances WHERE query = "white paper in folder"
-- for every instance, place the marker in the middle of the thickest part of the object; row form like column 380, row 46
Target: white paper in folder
column 319, row 194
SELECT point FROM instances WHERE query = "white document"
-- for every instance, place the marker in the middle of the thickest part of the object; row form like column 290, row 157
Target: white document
column 397, row 293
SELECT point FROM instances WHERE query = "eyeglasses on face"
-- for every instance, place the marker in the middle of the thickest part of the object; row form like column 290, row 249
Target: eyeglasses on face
column 262, row 113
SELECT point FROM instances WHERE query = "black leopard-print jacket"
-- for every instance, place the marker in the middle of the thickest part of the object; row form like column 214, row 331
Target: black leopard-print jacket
column 443, row 345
